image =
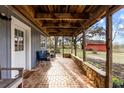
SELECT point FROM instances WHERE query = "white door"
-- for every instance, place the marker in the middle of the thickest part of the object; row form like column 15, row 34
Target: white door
column 20, row 52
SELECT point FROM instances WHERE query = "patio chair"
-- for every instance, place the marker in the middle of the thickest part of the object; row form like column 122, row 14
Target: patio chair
column 12, row 82
column 43, row 55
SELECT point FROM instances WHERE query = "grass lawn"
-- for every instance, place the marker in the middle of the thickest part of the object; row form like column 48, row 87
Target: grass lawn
column 117, row 57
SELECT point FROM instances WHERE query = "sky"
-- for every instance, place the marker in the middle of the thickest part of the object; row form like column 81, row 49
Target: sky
column 117, row 24
column 118, row 21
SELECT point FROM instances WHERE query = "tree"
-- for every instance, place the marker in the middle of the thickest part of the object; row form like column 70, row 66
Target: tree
column 117, row 27
column 93, row 31
column 100, row 32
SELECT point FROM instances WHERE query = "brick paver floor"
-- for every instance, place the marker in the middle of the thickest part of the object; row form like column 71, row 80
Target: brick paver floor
column 58, row 73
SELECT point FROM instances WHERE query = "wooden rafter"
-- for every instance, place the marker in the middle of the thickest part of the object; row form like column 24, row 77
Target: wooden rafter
column 28, row 13
column 80, row 9
column 97, row 16
column 30, row 10
column 60, row 30
column 50, row 7
column 61, row 27
column 61, row 24
column 116, row 8
column 60, row 34
column 60, row 16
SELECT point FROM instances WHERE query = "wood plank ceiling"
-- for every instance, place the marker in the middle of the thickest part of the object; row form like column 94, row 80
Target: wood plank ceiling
column 63, row 20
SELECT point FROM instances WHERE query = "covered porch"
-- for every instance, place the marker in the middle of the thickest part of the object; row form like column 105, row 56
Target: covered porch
column 58, row 73
column 65, row 70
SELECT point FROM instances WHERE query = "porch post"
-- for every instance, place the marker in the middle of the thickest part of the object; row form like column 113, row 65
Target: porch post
column 109, row 50
column 50, row 43
column 75, row 46
column 63, row 45
column 72, row 45
column 55, row 45
column 84, row 46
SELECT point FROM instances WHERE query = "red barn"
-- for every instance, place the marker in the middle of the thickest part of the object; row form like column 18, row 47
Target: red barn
column 96, row 45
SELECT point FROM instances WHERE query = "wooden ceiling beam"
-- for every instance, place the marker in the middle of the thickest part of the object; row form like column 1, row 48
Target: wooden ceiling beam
column 50, row 7
column 67, row 8
column 116, row 8
column 60, row 30
column 57, row 19
column 51, row 19
column 89, row 8
column 80, row 8
column 24, row 10
column 30, row 10
column 54, row 19
column 52, row 33
column 61, row 24
column 60, row 27
column 96, row 16
column 60, row 16
column 99, row 14
column 27, row 20
column 73, row 8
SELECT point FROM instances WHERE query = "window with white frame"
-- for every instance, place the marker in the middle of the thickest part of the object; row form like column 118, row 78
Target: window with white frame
column 42, row 38
column 19, row 40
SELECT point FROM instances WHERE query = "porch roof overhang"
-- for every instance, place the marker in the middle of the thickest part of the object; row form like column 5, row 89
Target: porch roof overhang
column 64, row 20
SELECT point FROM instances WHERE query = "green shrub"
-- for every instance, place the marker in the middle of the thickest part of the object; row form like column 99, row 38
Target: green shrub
column 117, row 83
